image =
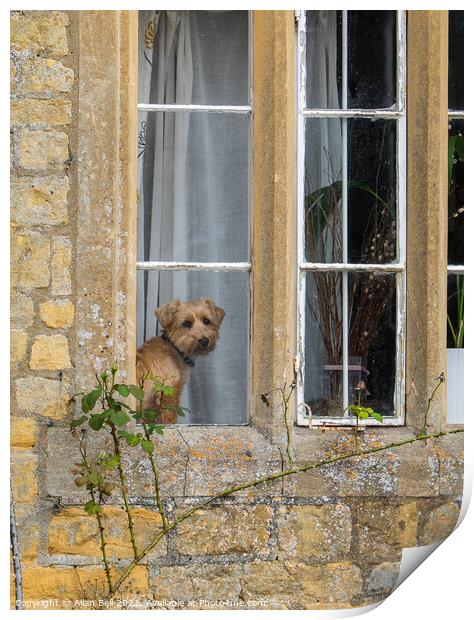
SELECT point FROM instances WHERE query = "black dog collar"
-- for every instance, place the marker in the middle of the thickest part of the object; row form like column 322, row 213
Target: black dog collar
column 187, row 360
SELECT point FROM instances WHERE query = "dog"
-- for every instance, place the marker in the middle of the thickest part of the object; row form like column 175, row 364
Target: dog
column 190, row 329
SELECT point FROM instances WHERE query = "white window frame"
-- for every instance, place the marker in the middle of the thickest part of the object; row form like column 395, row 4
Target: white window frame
column 245, row 267
column 304, row 416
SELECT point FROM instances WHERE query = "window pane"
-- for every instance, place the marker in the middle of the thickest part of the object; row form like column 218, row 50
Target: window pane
column 323, row 344
column 455, row 311
column 198, row 57
column 372, row 54
column 193, row 187
column 372, row 339
column 456, row 61
column 371, row 190
column 323, row 59
column 216, row 392
column 456, row 193
column 371, row 59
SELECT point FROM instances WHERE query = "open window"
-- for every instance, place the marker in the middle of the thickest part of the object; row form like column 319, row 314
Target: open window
column 194, row 147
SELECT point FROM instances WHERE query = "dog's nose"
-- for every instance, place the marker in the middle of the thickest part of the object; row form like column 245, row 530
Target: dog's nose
column 204, row 342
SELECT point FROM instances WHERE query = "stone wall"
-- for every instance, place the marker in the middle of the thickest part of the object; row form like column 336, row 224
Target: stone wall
column 323, row 539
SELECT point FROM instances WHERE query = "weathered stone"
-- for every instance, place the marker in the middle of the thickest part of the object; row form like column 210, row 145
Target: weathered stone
column 198, row 585
column 57, row 313
column 418, row 474
column 40, row 200
column 28, row 531
column 22, row 310
column 331, row 586
column 271, row 585
column 47, row 397
column 450, row 452
column 40, row 112
column 18, row 341
column 41, row 583
column 29, row 260
column 61, row 261
column 315, row 532
column 373, row 531
column 44, row 76
column 439, row 523
column 42, row 149
column 24, row 483
column 72, row 532
column 382, row 578
column 404, row 526
column 50, row 353
column 230, row 529
column 22, row 432
column 45, row 33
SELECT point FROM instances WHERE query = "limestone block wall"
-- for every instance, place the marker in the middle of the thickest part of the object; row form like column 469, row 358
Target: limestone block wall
column 42, row 233
column 323, row 539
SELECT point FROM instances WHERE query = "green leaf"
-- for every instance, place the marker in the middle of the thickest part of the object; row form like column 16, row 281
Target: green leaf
column 92, row 508
column 112, row 462
column 134, row 440
column 79, row 421
column 93, row 478
column 150, row 415
column 96, row 421
column 136, row 391
column 363, row 414
column 123, row 390
column 159, row 430
column 80, row 481
column 167, row 390
column 119, row 418
column 377, row 416
column 89, row 400
column 147, row 446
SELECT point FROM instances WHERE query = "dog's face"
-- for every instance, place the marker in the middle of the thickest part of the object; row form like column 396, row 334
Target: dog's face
column 193, row 326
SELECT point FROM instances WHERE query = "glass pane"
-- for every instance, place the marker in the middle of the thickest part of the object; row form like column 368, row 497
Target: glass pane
column 372, row 59
column 323, row 59
column 193, row 187
column 372, row 339
column 216, row 392
column 372, row 54
column 455, row 311
column 323, row 344
column 456, row 61
column 456, row 193
column 198, row 57
column 371, row 190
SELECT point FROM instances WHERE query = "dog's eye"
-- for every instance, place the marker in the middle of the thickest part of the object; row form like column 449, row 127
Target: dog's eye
column 206, row 321
column 187, row 324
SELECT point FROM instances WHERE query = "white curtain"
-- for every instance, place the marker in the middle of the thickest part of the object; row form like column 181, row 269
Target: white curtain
column 322, row 168
column 193, row 191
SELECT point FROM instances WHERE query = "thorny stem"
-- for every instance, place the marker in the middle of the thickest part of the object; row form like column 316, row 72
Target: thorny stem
column 275, row 476
column 123, row 488
column 156, row 475
column 99, row 521
column 430, row 400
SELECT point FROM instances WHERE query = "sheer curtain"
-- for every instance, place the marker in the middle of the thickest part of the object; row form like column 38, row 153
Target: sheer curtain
column 193, row 191
column 322, row 168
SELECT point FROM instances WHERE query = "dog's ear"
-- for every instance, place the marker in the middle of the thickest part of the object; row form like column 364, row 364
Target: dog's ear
column 218, row 313
column 165, row 313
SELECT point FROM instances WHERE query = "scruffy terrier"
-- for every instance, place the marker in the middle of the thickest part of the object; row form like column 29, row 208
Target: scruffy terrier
column 190, row 329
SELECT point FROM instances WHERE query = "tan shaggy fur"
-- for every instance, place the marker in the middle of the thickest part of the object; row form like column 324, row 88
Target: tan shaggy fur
column 192, row 329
